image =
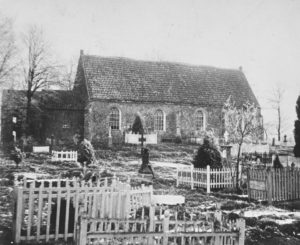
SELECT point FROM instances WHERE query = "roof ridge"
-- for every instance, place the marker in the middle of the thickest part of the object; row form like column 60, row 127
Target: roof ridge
column 162, row 62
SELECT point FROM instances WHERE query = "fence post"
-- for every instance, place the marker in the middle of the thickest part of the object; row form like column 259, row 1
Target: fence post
column 248, row 185
column 207, row 179
column 151, row 224
column 18, row 214
column 192, row 177
column 177, row 182
column 240, row 223
column 165, row 227
column 82, row 228
column 269, row 186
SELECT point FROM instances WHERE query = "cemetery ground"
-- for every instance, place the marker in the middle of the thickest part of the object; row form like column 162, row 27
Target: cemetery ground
column 277, row 224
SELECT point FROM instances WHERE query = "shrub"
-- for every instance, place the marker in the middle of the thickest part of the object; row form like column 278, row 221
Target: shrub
column 17, row 155
column 277, row 163
column 86, row 152
column 297, row 130
column 207, row 154
column 137, row 126
column 178, row 140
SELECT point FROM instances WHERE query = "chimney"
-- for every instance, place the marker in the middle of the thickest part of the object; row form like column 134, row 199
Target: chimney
column 81, row 52
column 241, row 68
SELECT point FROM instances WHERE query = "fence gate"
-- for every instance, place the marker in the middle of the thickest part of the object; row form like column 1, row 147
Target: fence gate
column 280, row 184
column 49, row 209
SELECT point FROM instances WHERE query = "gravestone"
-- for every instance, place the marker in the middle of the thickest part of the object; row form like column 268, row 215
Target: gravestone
column 285, row 140
column 109, row 137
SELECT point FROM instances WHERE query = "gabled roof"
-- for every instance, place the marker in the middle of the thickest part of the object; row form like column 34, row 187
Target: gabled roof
column 49, row 99
column 125, row 79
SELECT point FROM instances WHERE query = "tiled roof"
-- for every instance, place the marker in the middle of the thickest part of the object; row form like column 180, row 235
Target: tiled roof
column 50, row 99
column 144, row 81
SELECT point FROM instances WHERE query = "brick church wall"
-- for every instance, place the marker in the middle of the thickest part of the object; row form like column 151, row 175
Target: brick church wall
column 97, row 119
column 63, row 124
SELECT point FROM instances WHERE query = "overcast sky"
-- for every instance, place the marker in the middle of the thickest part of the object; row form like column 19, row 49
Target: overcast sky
column 261, row 36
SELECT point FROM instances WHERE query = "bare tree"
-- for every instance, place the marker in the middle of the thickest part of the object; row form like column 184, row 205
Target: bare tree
column 276, row 103
column 67, row 76
column 241, row 124
column 7, row 49
column 39, row 69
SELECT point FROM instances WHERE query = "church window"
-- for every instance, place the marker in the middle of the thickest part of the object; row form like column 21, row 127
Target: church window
column 199, row 120
column 159, row 120
column 114, row 118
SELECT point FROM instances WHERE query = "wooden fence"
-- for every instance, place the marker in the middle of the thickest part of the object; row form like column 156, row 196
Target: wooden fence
column 206, row 177
column 49, row 209
column 153, row 226
column 274, row 184
column 64, row 156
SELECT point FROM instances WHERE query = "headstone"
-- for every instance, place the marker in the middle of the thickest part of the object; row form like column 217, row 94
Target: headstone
column 178, row 132
column 15, row 136
column 226, row 148
column 226, row 137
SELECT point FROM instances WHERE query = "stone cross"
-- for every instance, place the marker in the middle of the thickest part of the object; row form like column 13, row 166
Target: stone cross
column 142, row 140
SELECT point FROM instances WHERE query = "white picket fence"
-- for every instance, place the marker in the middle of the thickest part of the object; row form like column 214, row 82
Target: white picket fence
column 64, row 156
column 48, row 209
column 206, row 177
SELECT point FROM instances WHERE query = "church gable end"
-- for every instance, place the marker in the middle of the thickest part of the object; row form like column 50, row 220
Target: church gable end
column 80, row 85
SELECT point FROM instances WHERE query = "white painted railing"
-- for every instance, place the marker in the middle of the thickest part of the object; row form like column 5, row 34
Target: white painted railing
column 64, row 156
column 206, row 177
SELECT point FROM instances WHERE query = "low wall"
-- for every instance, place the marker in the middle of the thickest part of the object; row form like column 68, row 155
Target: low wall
column 250, row 148
column 135, row 139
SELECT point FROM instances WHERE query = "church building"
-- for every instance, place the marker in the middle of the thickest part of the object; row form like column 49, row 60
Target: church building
column 172, row 99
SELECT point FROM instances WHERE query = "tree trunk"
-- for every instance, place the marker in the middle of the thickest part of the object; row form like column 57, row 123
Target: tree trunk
column 28, row 115
column 237, row 167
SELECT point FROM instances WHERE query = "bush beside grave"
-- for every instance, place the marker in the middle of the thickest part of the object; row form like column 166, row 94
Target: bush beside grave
column 207, row 154
column 86, row 152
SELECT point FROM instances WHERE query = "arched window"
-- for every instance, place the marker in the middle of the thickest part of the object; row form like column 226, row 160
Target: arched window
column 114, row 118
column 199, row 120
column 159, row 120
